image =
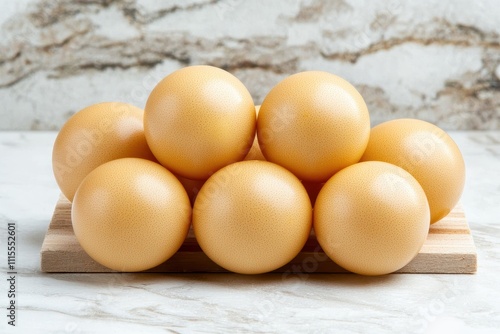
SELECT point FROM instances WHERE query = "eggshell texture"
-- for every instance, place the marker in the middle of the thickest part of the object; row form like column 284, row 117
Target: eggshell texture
column 95, row 135
column 252, row 217
column 314, row 124
column 131, row 214
column 426, row 152
column 255, row 153
column 199, row 119
column 371, row 218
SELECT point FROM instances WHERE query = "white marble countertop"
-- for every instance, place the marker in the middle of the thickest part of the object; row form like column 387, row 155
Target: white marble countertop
column 229, row 303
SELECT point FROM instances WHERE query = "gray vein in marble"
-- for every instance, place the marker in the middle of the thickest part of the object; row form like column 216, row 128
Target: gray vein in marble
column 447, row 72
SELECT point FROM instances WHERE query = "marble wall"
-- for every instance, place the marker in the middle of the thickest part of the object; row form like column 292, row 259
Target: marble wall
column 434, row 60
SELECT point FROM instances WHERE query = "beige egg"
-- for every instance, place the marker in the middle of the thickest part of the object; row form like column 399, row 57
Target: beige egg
column 314, row 124
column 95, row 135
column 130, row 214
column 199, row 119
column 255, row 153
column 371, row 218
column 426, row 152
column 252, row 217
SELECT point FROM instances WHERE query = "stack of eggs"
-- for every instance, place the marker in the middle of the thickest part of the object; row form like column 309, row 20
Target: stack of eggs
column 247, row 179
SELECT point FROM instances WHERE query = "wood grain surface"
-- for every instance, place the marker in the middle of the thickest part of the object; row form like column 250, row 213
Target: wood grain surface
column 449, row 249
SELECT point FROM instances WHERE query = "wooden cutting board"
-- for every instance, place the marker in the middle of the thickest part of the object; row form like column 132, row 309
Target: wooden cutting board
column 449, row 249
